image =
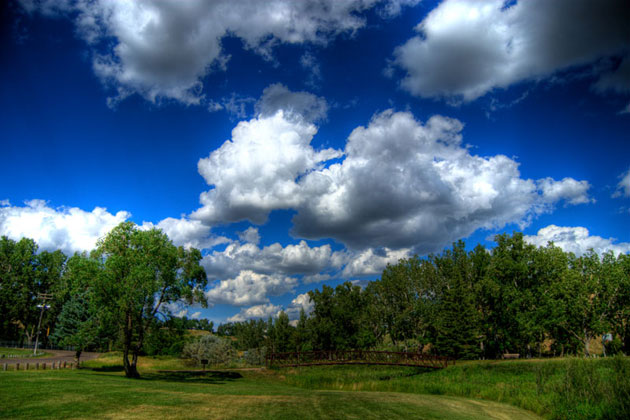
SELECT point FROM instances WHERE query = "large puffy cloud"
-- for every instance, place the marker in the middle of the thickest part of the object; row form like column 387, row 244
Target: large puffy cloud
column 249, row 288
column 466, row 48
column 405, row 184
column 576, row 240
column 163, row 48
column 69, row 229
column 401, row 183
column 256, row 171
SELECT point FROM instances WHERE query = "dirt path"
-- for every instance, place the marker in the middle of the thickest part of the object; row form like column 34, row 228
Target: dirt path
column 57, row 356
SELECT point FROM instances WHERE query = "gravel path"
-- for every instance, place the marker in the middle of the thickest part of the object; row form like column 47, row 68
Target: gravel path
column 57, row 356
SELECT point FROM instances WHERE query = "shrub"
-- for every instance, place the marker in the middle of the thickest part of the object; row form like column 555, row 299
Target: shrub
column 255, row 357
column 215, row 349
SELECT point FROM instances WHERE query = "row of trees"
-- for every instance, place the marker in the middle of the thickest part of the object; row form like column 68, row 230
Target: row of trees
column 515, row 298
column 114, row 295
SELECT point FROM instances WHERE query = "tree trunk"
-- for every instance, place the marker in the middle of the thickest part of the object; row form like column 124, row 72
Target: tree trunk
column 131, row 370
column 77, row 356
column 587, row 339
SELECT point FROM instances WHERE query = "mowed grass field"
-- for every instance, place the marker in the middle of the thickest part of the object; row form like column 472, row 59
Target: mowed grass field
column 101, row 391
column 471, row 390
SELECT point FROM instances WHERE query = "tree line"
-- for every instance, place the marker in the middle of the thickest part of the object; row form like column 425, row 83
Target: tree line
column 112, row 298
column 513, row 298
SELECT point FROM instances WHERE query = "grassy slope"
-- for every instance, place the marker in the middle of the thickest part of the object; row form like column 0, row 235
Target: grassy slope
column 559, row 388
column 103, row 392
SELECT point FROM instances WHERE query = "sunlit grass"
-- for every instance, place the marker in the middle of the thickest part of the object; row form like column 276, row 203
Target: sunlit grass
column 8, row 352
column 102, row 391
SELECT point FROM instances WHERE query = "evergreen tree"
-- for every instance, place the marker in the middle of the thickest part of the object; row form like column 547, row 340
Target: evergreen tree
column 77, row 325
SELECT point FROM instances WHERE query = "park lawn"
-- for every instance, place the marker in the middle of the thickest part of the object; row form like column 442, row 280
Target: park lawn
column 6, row 352
column 102, row 391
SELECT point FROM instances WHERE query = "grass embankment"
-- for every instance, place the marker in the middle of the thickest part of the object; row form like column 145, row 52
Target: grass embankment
column 559, row 388
column 101, row 391
column 8, row 352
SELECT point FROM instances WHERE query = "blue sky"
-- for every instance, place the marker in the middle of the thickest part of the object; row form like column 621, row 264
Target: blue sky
column 307, row 143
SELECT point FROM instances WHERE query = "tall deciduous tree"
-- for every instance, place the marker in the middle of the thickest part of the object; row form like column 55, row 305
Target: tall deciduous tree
column 141, row 271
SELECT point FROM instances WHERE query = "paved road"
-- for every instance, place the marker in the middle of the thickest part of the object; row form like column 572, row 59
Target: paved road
column 57, row 356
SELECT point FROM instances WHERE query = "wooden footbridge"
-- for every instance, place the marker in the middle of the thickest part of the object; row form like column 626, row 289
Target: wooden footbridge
column 357, row 357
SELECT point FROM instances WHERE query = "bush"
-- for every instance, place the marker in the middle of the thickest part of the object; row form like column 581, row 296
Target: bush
column 214, row 349
column 613, row 347
column 255, row 357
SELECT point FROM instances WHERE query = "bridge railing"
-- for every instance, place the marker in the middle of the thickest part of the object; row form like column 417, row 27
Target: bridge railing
column 337, row 357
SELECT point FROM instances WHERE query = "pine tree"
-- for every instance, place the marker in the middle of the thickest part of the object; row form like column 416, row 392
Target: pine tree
column 76, row 325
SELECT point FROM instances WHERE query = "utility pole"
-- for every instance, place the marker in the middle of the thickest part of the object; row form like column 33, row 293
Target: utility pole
column 44, row 297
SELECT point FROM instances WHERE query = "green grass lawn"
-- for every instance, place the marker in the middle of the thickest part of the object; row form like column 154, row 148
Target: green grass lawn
column 102, row 391
column 7, row 352
column 557, row 389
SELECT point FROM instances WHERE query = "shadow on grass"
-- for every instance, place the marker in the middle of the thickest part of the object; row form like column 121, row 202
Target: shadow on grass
column 115, row 368
column 418, row 371
column 193, row 376
column 188, row 376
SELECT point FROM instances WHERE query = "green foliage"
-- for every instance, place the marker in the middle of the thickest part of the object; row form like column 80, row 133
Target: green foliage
column 24, row 273
column 217, row 350
column 166, row 337
column 77, row 324
column 338, row 318
column 255, row 356
column 140, row 271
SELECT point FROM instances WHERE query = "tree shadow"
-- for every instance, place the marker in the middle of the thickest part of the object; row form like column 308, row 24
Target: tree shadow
column 115, row 368
column 215, row 377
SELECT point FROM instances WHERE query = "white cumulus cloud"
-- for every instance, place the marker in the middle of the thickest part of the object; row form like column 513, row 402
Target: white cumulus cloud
column 249, row 288
column 264, row 311
column 466, row 48
column 577, row 240
column 187, row 233
column 292, row 259
column 298, row 104
column 373, row 261
column 257, row 311
column 568, row 189
column 255, row 172
column 400, row 183
column 69, row 229
column 162, row 49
